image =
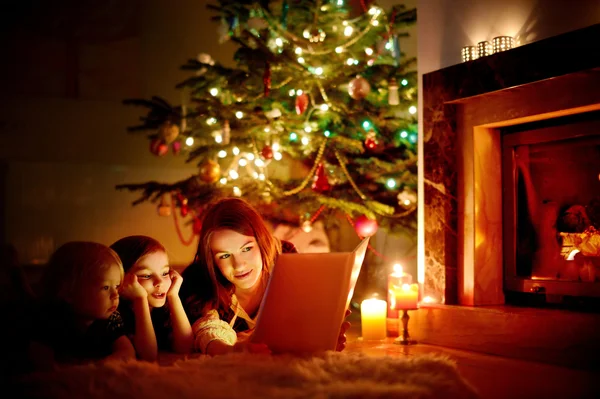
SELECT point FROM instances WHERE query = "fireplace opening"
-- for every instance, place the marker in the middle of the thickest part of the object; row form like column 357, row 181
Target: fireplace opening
column 551, row 211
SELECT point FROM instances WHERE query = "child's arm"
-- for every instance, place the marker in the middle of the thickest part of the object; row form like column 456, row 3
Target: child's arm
column 144, row 339
column 182, row 330
column 214, row 336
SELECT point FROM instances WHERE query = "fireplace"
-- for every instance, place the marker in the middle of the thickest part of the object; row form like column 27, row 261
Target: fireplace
column 551, row 208
column 471, row 111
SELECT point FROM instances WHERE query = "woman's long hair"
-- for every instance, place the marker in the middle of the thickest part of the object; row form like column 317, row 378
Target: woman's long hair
column 203, row 283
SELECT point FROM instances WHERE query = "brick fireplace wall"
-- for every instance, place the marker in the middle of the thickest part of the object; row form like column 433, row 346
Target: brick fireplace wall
column 464, row 106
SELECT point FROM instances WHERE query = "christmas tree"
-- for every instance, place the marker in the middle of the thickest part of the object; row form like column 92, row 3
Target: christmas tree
column 316, row 120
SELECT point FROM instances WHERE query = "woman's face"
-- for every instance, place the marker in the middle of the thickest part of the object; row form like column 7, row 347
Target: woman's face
column 152, row 272
column 238, row 258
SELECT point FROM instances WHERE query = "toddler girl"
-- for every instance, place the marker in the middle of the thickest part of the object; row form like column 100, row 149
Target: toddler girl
column 75, row 317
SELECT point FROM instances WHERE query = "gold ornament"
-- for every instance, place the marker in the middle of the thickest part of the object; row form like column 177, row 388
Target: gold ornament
column 164, row 208
column 210, row 171
column 168, row 132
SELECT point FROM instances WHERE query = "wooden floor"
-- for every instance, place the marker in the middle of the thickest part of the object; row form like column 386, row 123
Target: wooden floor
column 495, row 377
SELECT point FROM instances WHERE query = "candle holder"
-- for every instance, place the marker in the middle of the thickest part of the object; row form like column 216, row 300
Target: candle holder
column 468, row 53
column 484, row 49
column 502, row 43
column 404, row 338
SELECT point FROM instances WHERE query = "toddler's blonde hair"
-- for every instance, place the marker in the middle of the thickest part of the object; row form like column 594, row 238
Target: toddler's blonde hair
column 75, row 264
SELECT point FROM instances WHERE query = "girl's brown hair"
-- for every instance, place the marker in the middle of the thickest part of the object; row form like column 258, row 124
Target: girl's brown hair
column 203, row 280
column 73, row 265
column 132, row 248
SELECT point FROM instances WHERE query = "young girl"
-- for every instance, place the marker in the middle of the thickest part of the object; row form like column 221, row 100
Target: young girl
column 225, row 284
column 149, row 285
column 76, row 318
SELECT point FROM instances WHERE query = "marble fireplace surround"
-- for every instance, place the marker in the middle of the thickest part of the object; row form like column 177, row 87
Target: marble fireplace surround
column 464, row 106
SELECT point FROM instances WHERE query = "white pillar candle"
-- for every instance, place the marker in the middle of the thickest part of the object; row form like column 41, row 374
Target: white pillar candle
column 373, row 318
column 406, row 296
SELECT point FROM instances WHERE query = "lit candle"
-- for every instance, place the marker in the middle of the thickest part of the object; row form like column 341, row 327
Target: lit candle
column 372, row 315
column 397, row 278
column 406, row 296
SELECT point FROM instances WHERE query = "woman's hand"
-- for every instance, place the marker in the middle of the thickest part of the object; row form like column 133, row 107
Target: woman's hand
column 341, row 345
column 131, row 289
column 176, row 281
column 243, row 344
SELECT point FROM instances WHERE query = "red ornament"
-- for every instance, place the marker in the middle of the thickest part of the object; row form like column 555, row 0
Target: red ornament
column 267, row 152
column 176, row 147
column 197, row 226
column 320, row 183
column 158, row 147
column 371, row 142
column 267, row 78
column 365, row 227
column 358, row 88
column 183, row 205
column 184, row 210
column 301, row 103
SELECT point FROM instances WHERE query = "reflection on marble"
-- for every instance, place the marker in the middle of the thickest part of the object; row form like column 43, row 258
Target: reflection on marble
column 447, row 153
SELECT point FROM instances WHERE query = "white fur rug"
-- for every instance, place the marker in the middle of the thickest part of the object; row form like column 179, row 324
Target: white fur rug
column 332, row 375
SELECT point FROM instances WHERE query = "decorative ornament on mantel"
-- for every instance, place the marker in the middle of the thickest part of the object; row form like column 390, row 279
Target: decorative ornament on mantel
column 468, row 53
column 359, row 88
column 365, row 227
column 484, row 49
column 210, row 171
column 502, row 43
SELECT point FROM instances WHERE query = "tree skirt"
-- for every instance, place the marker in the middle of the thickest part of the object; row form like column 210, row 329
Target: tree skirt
column 332, row 375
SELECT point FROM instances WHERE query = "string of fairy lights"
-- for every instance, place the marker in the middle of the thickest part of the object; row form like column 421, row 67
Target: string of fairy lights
column 248, row 162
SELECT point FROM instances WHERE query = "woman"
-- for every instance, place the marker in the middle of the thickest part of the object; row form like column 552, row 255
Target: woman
column 224, row 286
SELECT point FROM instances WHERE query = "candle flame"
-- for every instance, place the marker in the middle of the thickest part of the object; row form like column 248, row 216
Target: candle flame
column 428, row 299
column 398, row 272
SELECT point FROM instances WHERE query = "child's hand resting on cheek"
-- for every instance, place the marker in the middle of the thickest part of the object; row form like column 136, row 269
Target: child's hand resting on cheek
column 131, row 288
column 176, row 281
